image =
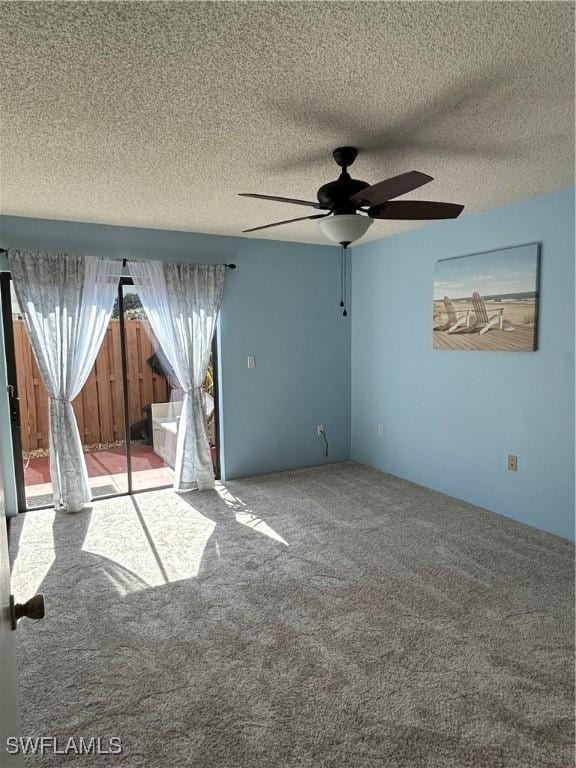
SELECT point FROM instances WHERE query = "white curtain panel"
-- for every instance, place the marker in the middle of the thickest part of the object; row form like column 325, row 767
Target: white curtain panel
column 182, row 302
column 66, row 302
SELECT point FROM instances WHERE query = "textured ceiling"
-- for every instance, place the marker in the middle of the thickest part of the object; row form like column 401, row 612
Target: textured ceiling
column 156, row 114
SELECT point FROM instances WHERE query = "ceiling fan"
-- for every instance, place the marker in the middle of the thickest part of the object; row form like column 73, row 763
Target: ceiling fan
column 352, row 205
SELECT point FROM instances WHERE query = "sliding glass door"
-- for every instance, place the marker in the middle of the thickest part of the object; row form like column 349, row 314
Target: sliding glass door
column 127, row 412
column 152, row 413
column 99, row 411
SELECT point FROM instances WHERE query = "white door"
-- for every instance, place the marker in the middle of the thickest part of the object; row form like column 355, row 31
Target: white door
column 9, row 710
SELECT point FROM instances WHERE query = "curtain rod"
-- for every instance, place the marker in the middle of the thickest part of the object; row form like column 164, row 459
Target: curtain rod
column 228, row 266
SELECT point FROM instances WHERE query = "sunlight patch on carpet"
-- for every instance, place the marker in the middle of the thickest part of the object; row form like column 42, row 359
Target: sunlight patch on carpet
column 35, row 554
column 164, row 548
column 245, row 516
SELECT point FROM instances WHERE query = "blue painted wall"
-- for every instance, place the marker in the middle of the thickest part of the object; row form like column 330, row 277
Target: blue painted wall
column 450, row 418
column 280, row 304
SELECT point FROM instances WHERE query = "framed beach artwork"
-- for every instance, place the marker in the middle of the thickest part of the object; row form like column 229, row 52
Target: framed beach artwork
column 488, row 301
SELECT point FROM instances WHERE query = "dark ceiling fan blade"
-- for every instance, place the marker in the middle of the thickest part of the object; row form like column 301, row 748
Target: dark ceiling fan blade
column 287, row 221
column 386, row 190
column 412, row 210
column 292, row 200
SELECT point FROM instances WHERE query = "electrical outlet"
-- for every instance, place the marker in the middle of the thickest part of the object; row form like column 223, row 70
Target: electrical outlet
column 380, row 429
column 512, row 462
column 320, row 429
column 251, row 361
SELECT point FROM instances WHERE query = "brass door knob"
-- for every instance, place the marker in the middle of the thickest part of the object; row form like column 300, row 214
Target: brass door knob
column 32, row 609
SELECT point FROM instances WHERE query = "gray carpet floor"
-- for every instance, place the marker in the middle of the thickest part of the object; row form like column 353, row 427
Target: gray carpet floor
column 334, row 617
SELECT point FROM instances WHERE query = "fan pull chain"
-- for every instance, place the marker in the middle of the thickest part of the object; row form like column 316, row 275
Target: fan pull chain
column 345, row 291
column 342, row 251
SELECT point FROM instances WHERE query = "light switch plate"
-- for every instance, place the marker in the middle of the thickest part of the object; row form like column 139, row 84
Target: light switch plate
column 251, row 361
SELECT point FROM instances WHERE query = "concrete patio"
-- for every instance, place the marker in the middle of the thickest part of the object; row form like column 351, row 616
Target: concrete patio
column 107, row 470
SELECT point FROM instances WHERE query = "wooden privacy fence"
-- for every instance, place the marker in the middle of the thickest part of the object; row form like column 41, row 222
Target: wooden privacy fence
column 99, row 408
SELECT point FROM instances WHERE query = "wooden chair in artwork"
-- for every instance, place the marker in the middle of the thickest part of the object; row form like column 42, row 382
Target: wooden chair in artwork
column 456, row 320
column 487, row 321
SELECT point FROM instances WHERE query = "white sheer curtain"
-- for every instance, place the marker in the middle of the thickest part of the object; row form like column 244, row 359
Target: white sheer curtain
column 66, row 302
column 182, row 302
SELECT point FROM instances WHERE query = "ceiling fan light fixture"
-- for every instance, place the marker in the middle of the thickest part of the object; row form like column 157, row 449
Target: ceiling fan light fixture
column 345, row 228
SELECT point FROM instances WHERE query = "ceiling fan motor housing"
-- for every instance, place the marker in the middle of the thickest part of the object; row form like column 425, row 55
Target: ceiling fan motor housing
column 336, row 194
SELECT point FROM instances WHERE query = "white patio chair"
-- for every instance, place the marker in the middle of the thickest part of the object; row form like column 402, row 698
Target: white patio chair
column 456, row 319
column 485, row 320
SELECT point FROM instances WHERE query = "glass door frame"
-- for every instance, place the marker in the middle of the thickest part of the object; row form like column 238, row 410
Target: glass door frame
column 11, row 375
column 12, row 389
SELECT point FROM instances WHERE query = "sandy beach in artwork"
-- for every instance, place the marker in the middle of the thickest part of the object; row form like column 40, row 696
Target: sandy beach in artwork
column 519, row 320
